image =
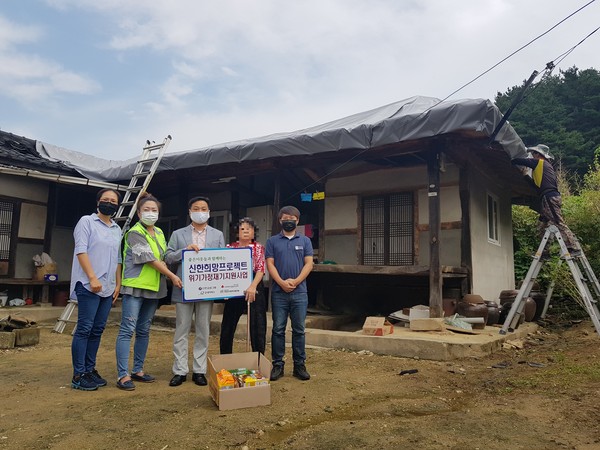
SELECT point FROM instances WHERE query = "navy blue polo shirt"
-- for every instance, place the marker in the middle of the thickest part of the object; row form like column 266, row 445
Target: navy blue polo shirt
column 288, row 255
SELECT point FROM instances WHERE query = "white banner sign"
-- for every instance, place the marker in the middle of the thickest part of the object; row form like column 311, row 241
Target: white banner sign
column 214, row 274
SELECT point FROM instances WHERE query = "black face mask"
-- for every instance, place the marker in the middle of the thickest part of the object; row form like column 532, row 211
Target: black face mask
column 288, row 225
column 107, row 208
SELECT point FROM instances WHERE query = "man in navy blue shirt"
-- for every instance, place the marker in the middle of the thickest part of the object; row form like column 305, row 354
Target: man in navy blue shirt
column 289, row 258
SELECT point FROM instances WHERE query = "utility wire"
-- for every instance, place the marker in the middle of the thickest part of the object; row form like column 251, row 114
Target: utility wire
column 518, row 50
column 545, row 73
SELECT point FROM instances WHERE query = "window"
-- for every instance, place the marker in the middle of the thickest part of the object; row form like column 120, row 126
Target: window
column 492, row 219
column 220, row 221
column 7, row 209
column 388, row 230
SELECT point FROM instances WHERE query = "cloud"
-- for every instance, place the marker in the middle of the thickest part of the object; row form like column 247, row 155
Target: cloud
column 219, row 71
column 29, row 78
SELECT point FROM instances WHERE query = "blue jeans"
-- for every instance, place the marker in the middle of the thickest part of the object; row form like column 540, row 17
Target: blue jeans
column 137, row 314
column 294, row 306
column 92, row 314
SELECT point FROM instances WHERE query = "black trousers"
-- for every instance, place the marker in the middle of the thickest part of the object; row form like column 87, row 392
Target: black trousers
column 234, row 308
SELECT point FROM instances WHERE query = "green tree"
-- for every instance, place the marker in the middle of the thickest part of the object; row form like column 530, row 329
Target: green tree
column 561, row 111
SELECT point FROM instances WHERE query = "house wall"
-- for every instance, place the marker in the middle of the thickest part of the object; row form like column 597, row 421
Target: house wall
column 33, row 196
column 341, row 216
column 493, row 264
column 24, row 188
column 61, row 250
column 343, row 203
column 450, row 211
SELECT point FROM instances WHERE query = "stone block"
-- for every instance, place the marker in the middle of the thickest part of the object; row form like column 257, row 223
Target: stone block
column 7, row 340
column 26, row 336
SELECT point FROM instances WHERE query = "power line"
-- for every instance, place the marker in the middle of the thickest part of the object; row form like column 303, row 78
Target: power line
column 518, row 50
column 545, row 72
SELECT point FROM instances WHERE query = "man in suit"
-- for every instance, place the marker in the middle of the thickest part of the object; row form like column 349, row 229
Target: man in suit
column 196, row 236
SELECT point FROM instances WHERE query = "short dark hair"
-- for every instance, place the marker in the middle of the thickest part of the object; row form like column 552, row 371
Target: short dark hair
column 198, row 198
column 289, row 210
column 147, row 197
column 101, row 192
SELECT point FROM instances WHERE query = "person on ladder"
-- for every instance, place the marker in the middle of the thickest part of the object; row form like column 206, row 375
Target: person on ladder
column 545, row 180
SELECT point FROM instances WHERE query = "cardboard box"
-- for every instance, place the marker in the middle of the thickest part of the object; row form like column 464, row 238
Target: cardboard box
column 243, row 397
column 47, row 269
column 418, row 312
column 427, row 324
column 377, row 326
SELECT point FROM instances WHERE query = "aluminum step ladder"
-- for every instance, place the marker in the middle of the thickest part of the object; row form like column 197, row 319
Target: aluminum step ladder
column 145, row 169
column 583, row 275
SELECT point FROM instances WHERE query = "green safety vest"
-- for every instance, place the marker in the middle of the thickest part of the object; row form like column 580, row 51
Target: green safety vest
column 147, row 277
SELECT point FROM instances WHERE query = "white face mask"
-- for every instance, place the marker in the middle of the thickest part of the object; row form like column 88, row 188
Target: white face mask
column 199, row 216
column 149, row 218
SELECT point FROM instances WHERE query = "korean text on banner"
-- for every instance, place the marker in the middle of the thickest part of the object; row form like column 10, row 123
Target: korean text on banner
column 214, row 274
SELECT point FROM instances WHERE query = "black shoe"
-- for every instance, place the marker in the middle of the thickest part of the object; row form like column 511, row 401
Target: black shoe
column 84, row 382
column 143, row 378
column 177, row 380
column 126, row 385
column 96, row 378
column 199, row 379
column 276, row 373
column 301, row 373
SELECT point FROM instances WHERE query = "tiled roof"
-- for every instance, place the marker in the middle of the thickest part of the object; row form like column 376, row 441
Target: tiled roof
column 19, row 152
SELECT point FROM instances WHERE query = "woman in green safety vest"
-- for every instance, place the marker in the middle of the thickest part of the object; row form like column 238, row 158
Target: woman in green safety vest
column 143, row 285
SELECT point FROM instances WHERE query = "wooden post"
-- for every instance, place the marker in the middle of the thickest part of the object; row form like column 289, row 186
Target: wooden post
column 435, row 268
column 465, row 234
column 275, row 226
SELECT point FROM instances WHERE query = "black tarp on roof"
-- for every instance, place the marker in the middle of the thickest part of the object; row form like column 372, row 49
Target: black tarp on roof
column 410, row 119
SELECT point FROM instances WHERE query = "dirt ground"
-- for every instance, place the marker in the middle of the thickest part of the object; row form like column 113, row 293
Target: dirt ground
column 544, row 396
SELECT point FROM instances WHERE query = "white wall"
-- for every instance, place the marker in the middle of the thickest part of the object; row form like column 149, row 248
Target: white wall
column 493, row 264
column 32, row 223
column 341, row 213
column 61, row 251
column 24, row 188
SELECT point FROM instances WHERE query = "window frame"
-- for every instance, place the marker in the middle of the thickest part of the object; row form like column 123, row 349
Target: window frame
column 493, row 218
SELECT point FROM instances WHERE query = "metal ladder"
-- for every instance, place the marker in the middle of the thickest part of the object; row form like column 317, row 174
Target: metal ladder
column 583, row 275
column 142, row 175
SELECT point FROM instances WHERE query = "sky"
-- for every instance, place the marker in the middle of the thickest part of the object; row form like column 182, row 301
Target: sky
column 103, row 76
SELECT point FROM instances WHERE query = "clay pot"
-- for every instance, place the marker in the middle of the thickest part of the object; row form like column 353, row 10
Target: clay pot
column 450, row 306
column 473, row 298
column 509, row 294
column 61, row 298
column 540, row 299
column 473, row 310
column 529, row 309
column 493, row 312
column 505, row 309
